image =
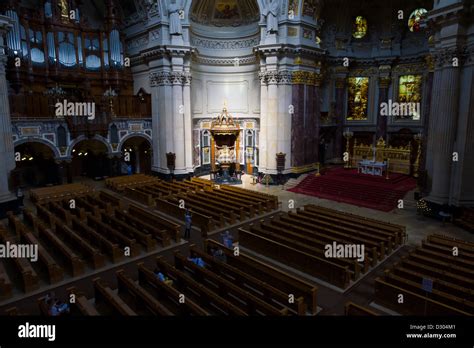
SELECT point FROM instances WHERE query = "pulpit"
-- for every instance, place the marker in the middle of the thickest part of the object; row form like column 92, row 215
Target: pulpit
column 225, row 147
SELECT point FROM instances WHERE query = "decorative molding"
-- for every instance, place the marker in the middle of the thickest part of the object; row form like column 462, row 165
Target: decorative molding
column 445, row 57
column 302, row 77
column 225, row 44
column 168, row 78
column 247, row 60
column 137, row 42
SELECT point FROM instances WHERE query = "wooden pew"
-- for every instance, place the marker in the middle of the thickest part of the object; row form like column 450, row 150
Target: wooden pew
column 354, row 235
column 113, row 200
column 91, row 253
column 253, row 207
column 436, row 272
column 270, row 201
column 309, row 246
column 108, row 247
column 313, row 265
column 30, row 280
column 142, row 197
column 105, row 294
column 81, row 302
column 255, row 286
column 104, row 206
column 138, row 224
column 31, row 219
column 353, row 309
column 193, row 206
column 75, row 263
column 55, row 272
column 228, row 290
column 205, row 294
column 231, row 213
column 387, row 294
column 113, row 235
column 270, row 274
column 204, row 222
column 54, row 193
column 143, row 238
column 6, row 288
column 147, row 277
column 126, row 284
column 152, row 219
column 437, row 295
column 381, row 226
column 438, row 284
column 14, row 222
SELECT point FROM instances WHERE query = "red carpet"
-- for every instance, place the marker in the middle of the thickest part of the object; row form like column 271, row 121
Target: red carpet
column 341, row 185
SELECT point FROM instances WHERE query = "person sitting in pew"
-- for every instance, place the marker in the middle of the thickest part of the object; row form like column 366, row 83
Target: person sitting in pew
column 59, row 308
column 198, row 261
column 227, row 239
column 161, row 277
column 218, row 254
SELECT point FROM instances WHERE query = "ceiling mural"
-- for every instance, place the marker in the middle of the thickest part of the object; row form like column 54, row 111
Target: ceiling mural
column 225, row 12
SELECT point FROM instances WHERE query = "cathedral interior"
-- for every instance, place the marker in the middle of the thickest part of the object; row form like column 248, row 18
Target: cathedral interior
column 255, row 157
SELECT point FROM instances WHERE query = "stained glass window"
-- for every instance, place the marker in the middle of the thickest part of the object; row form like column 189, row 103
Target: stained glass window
column 360, row 27
column 358, row 98
column 409, row 91
column 415, row 19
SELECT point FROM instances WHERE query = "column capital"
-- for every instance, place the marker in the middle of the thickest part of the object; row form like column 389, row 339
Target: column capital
column 160, row 78
column 447, row 57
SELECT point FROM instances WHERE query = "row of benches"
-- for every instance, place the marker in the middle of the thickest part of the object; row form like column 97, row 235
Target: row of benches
column 300, row 240
column 213, row 206
column 435, row 262
column 240, row 285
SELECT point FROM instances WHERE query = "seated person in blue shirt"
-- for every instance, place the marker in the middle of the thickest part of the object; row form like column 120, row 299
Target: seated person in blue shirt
column 198, row 261
column 161, row 277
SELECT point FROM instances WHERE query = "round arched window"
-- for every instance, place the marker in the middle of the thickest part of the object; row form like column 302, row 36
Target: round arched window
column 415, row 19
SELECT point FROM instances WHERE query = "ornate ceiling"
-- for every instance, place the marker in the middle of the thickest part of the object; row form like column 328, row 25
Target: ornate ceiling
column 225, row 13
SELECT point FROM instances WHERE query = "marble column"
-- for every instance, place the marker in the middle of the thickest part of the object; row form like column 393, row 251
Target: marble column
column 317, row 117
column 284, row 116
column 443, row 131
column 178, row 122
column 272, row 122
column 7, row 157
column 161, row 91
column 340, row 106
column 188, row 124
column 263, row 122
column 384, row 84
column 297, row 125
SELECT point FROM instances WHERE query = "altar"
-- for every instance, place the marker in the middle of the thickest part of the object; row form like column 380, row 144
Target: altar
column 225, row 146
column 371, row 167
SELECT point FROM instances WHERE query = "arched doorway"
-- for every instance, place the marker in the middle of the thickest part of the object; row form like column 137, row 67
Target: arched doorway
column 138, row 151
column 35, row 165
column 90, row 159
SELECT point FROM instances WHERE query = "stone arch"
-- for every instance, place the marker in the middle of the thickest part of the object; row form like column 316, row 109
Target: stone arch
column 83, row 137
column 132, row 135
column 53, row 148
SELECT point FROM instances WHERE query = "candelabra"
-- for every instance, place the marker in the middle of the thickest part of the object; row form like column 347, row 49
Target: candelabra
column 348, row 135
column 416, row 166
column 110, row 94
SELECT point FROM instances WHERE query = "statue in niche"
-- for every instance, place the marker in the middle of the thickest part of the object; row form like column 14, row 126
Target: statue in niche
column 175, row 12
column 270, row 12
